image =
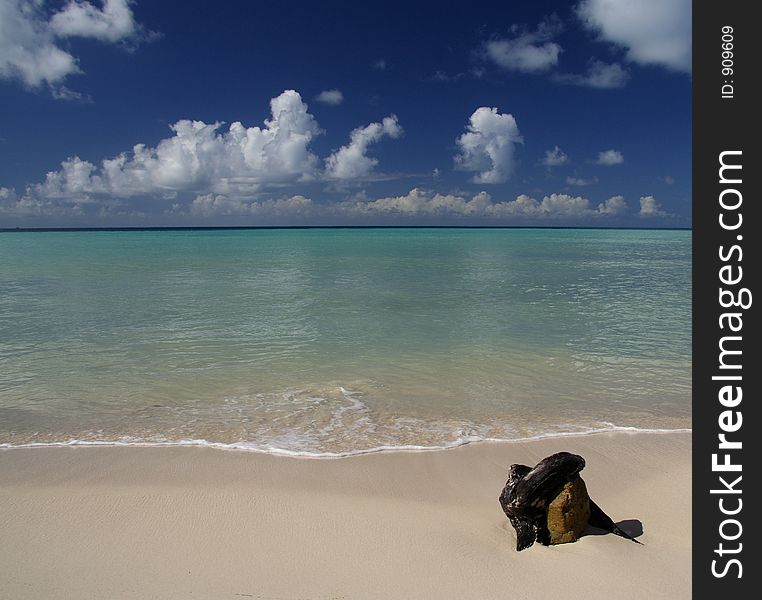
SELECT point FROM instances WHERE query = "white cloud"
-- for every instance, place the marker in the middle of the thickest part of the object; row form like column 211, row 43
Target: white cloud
column 331, row 97
column 77, row 178
column 111, row 23
column 580, row 181
column 206, row 158
column 563, row 205
column 295, row 209
column 14, row 206
column 419, row 202
column 205, row 205
column 29, row 41
column 555, row 158
column 526, row 51
column 605, row 76
column 521, row 55
column 351, row 161
column 28, row 48
column 609, row 158
column 613, row 206
column 599, row 75
column 208, row 205
column 654, row 32
column 379, row 64
column 488, row 145
column 198, row 156
column 649, row 207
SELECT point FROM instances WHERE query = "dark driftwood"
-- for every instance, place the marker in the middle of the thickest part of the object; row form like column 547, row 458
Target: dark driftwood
column 528, row 493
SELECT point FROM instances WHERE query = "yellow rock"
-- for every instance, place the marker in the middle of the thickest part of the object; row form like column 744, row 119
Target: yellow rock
column 569, row 512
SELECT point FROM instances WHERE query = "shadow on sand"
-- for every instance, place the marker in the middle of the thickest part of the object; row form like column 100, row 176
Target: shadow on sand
column 632, row 527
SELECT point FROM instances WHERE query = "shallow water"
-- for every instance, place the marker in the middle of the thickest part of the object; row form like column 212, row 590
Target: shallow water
column 341, row 340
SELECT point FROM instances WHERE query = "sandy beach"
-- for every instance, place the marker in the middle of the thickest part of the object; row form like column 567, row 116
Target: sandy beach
column 183, row 522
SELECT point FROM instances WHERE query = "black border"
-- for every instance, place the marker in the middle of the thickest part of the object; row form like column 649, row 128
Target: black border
column 718, row 125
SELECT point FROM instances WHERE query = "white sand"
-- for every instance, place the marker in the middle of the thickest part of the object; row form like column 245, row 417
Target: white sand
column 113, row 523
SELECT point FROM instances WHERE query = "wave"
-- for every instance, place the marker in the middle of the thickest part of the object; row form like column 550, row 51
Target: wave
column 253, row 447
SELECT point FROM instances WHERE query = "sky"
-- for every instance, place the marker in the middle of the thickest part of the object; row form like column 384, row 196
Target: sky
column 245, row 113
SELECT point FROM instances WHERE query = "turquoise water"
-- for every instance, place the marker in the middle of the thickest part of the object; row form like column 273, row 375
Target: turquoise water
column 341, row 340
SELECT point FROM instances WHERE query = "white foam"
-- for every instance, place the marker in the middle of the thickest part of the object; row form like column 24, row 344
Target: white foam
column 253, row 447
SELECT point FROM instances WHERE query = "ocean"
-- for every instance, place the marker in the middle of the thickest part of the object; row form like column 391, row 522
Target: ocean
column 328, row 342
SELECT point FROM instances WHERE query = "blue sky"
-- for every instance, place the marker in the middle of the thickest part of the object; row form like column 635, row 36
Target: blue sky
column 141, row 113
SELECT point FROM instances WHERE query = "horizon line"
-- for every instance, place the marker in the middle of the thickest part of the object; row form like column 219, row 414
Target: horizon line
column 266, row 227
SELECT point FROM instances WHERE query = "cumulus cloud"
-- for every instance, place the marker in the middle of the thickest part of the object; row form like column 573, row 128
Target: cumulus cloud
column 225, row 167
column 198, row 155
column 207, row 205
column 649, row 208
column 419, row 202
column 298, row 209
column 488, row 145
column 613, row 206
column 609, row 158
column 599, row 75
column 331, row 97
column 581, row 181
column 555, row 157
column 111, row 23
column 526, row 51
column 653, row 32
column 30, row 49
column 14, row 206
column 351, row 161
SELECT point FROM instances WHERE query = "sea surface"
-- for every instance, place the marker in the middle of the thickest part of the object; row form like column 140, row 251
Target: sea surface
column 325, row 342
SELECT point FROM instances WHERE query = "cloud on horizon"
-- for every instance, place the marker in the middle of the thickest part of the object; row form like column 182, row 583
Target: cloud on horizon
column 418, row 202
column 650, row 208
column 296, row 209
column 199, row 156
column 204, row 170
column 207, row 205
column 209, row 158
